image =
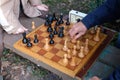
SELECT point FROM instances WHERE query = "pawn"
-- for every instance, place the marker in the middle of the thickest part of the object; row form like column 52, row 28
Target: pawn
column 51, row 41
column 73, row 63
column 46, row 46
column 81, row 54
column 29, row 44
column 97, row 37
column 74, row 52
column 36, row 39
column 78, row 45
column 51, row 35
column 86, row 49
column 65, row 60
column 68, row 53
column 65, row 48
column 68, row 22
column 33, row 25
column 55, row 31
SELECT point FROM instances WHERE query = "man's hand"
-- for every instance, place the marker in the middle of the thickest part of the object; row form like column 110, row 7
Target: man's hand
column 77, row 30
column 42, row 7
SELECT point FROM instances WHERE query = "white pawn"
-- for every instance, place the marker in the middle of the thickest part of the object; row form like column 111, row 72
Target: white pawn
column 33, row 25
column 78, row 45
column 46, row 44
column 68, row 53
column 97, row 37
column 81, row 54
column 74, row 52
column 65, row 60
column 86, row 49
column 65, row 48
column 73, row 63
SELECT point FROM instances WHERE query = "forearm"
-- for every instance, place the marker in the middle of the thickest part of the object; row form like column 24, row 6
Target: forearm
column 107, row 12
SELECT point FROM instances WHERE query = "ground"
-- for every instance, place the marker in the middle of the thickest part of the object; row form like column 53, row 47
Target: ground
column 15, row 67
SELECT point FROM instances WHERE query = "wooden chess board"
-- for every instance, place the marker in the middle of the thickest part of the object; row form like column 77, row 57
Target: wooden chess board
column 54, row 55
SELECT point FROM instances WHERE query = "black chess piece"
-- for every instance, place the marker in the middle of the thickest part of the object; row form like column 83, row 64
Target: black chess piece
column 51, row 35
column 55, row 31
column 54, row 17
column 68, row 22
column 46, row 21
column 57, row 23
column 24, row 40
column 36, row 39
column 60, row 34
column 49, row 29
column 61, row 19
column 29, row 44
column 51, row 41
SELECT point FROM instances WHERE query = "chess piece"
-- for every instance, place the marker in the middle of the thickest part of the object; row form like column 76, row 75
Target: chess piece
column 24, row 40
column 46, row 46
column 68, row 53
column 78, row 45
column 61, row 18
column 29, row 44
column 60, row 32
column 72, row 63
column 74, row 52
column 54, row 17
column 97, row 37
column 65, row 60
column 51, row 41
column 68, row 22
column 86, row 49
column 49, row 29
column 51, row 35
column 81, row 54
column 65, row 48
column 33, row 25
column 55, row 31
column 46, row 21
column 36, row 39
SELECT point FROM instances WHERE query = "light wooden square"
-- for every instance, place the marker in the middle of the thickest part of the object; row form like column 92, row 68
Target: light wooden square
column 62, row 63
column 49, row 55
column 35, row 49
column 58, row 46
column 60, row 54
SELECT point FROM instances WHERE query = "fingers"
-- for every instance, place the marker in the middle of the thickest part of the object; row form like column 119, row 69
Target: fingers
column 77, row 30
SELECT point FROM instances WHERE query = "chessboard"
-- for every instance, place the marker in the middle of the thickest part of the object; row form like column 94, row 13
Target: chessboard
column 58, row 50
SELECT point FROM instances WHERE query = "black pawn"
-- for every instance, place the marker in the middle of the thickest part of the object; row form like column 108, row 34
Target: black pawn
column 29, row 44
column 51, row 41
column 49, row 29
column 51, row 35
column 36, row 39
column 24, row 40
column 60, row 35
column 55, row 31
column 68, row 22
column 54, row 17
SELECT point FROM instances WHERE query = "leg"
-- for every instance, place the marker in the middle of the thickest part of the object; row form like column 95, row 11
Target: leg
column 118, row 41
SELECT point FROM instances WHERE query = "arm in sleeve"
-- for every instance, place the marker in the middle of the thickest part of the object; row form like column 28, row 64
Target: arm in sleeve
column 107, row 12
column 114, row 76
